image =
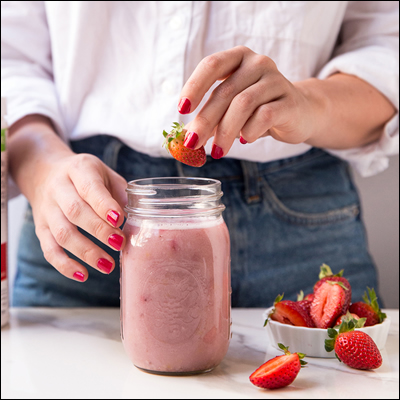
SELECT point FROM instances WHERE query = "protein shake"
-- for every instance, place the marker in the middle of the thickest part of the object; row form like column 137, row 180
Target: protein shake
column 175, row 293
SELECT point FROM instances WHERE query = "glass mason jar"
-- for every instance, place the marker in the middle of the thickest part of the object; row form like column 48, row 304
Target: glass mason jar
column 175, row 276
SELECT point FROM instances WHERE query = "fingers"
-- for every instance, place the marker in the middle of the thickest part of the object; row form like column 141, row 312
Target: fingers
column 240, row 110
column 89, row 178
column 220, row 101
column 67, row 236
column 211, row 69
column 56, row 256
column 79, row 213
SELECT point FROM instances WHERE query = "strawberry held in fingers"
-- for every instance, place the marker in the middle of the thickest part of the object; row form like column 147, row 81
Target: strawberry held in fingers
column 354, row 348
column 369, row 309
column 174, row 143
column 278, row 372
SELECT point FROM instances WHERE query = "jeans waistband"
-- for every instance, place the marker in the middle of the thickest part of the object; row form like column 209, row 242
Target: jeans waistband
column 134, row 165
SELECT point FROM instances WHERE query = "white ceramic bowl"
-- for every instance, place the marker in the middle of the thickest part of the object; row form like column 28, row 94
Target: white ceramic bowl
column 311, row 341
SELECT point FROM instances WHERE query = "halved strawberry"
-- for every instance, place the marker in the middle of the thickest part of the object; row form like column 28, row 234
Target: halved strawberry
column 329, row 304
column 174, row 144
column 326, row 274
column 291, row 313
column 370, row 309
column 278, row 372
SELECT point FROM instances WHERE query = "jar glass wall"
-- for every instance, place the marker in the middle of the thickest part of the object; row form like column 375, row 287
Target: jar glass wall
column 175, row 276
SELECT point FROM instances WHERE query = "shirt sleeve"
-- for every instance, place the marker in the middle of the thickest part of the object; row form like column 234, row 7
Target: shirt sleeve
column 368, row 48
column 26, row 63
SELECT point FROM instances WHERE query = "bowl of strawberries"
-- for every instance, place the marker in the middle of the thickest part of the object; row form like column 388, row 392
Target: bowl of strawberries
column 303, row 324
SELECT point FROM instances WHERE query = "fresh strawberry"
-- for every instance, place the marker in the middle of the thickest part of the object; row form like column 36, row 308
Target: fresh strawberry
column 290, row 312
column 278, row 372
column 369, row 309
column 301, row 297
column 309, row 297
column 355, row 348
column 305, row 305
column 326, row 274
column 174, row 144
column 329, row 304
column 346, row 317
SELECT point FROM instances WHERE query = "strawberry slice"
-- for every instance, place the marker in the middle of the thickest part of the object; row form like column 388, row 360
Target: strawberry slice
column 174, row 143
column 326, row 274
column 278, row 372
column 291, row 313
column 329, row 304
column 369, row 309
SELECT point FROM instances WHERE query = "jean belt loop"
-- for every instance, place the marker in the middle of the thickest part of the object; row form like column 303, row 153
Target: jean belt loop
column 251, row 184
column 111, row 152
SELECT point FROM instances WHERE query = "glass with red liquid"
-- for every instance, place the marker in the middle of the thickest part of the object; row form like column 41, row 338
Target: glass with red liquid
column 175, row 276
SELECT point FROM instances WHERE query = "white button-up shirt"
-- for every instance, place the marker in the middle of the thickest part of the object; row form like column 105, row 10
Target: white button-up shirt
column 117, row 68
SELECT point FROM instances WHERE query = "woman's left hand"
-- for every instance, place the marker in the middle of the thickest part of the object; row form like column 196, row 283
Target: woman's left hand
column 254, row 100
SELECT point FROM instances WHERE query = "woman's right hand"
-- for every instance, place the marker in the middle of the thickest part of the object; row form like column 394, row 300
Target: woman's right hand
column 66, row 191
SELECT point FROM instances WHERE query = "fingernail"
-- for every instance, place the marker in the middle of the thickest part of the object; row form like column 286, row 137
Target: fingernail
column 116, row 241
column 216, row 152
column 243, row 141
column 184, row 106
column 191, row 140
column 104, row 265
column 79, row 276
column 113, row 217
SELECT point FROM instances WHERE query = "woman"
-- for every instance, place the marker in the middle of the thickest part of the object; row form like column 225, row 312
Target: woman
column 283, row 94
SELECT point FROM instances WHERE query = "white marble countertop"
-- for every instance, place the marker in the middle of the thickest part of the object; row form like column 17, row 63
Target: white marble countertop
column 77, row 353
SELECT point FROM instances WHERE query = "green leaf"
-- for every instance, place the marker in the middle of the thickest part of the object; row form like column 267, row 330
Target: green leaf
column 341, row 284
column 340, row 273
column 325, row 271
column 266, row 322
column 303, row 363
column 165, row 133
column 329, row 345
column 351, row 324
column 365, row 298
column 344, row 326
column 301, row 355
column 360, row 323
column 279, row 298
column 283, row 347
column 300, row 296
column 332, row 333
column 338, row 357
column 170, row 139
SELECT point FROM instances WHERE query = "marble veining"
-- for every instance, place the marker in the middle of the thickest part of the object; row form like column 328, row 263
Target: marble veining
column 77, row 353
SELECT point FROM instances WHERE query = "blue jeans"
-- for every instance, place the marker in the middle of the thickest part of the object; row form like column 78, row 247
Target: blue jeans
column 285, row 219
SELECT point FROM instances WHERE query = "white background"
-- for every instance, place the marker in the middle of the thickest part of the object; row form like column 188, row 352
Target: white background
column 380, row 202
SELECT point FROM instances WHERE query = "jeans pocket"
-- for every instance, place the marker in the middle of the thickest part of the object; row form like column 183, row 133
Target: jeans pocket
column 317, row 193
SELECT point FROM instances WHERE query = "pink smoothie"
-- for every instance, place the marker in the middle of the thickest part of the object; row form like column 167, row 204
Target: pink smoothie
column 175, row 294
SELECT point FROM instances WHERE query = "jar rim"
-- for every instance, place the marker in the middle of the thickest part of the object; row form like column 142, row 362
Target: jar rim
column 164, row 196
column 147, row 184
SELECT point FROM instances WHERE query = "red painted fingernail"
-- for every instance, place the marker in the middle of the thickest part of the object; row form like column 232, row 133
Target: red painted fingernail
column 116, row 241
column 79, row 276
column 104, row 265
column 243, row 141
column 184, row 106
column 191, row 140
column 113, row 217
column 216, row 152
